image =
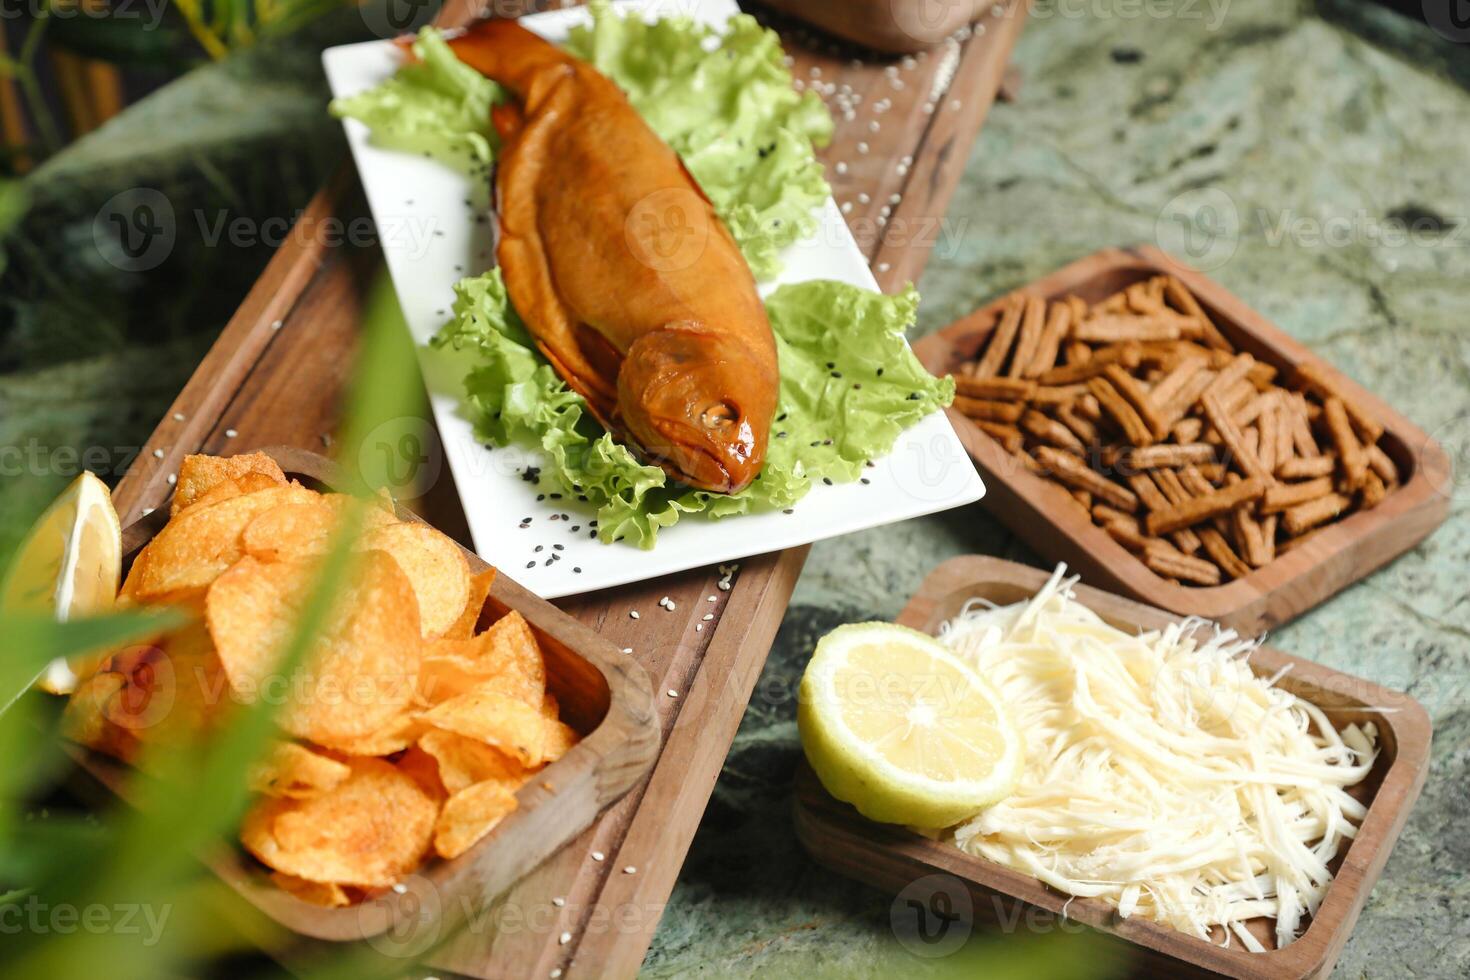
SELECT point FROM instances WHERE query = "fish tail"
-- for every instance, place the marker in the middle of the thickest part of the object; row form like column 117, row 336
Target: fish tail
column 505, row 51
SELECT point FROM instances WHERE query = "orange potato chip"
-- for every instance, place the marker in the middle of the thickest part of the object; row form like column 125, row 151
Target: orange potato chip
column 198, row 545
column 369, row 831
column 198, row 474
column 424, row 770
column 464, row 627
column 85, row 719
column 295, row 771
column 315, row 892
column 360, row 673
column 446, row 675
column 397, row 735
column 436, row 567
column 463, row 762
column 469, row 815
column 509, row 654
column 487, row 715
column 302, row 529
column 560, row 737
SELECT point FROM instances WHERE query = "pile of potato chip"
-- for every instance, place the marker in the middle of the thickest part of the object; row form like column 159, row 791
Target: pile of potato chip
column 404, row 732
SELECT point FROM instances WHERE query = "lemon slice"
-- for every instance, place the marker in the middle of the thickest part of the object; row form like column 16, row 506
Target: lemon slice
column 68, row 566
column 904, row 730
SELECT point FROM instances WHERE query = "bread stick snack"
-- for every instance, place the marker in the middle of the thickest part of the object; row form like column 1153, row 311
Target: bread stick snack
column 1196, row 457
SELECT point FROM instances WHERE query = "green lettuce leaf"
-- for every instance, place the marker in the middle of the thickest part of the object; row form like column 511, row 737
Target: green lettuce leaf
column 849, row 386
column 722, row 100
column 434, row 104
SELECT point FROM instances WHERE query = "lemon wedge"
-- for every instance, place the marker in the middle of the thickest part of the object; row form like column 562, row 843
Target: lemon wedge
column 68, row 566
column 904, row 730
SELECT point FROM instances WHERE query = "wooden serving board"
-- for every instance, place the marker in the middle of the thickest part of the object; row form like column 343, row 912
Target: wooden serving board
column 276, row 375
column 1050, row 521
column 893, row 858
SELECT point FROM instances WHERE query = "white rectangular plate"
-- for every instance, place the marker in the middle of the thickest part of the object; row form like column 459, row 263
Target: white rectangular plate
column 431, row 224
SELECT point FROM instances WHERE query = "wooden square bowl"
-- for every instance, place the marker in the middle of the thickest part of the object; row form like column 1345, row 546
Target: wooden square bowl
column 603, row 693
column 893, row 858
column 1046, row 517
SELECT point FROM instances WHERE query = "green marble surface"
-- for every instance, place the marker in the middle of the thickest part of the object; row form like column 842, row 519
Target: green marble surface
column 1299, row 117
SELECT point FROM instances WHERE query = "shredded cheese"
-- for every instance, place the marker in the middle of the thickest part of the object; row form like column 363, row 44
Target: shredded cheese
column 1162, row 776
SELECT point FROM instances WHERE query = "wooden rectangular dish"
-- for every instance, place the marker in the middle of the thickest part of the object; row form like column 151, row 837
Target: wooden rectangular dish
column 603, row 693
column 892, row 857
column 1046, row 517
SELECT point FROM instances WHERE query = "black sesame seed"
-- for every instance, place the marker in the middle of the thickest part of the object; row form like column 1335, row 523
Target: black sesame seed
column 864, row 480
column 559, row 547
column 880, row 372
column 827, row 480
column 856, row 385
column 540, row 547
column 836, row 374
column 540, row 497
column 591, row 534
column 577, row 569
column 788, row 510
column 546, row 562
column 556, row 496
column 530, row 564
column 576, row 528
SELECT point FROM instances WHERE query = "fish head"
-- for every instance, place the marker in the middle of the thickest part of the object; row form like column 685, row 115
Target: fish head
column 699, row 404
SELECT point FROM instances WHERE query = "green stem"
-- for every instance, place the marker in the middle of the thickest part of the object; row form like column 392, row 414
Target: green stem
column 30, row 86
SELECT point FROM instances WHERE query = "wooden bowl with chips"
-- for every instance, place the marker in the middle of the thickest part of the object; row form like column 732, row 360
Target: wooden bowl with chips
column 602, row 694
column 1046, row 514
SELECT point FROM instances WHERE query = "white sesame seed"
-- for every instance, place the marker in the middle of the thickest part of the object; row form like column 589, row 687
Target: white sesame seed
column 671, row 605
column 708, row 617
column 158, row 454
column 173, row 479
column 632, row 614
column 559, row 902
column 399, row 888
column 863, row 197
column 147, row 511
column 178, row 416
column 841, row 167
column 954, row 104
column 713, row 598
column 847, row 207
column 556, row 974
column 627, row 649
column 699, row 627
column 902, row 169
column 277, row 324
column 724, row 586
column 231, row 433
column 630, row 870
column 598, row 855
column 672, row 693
column 873, row 126
column 928, row 108
column 862, row 148
column 564, row 938
column 895, row 198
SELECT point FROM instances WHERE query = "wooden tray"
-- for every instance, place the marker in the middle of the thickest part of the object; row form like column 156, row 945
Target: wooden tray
column 603, row 693
column 891, row 857
column 1046, row 517
column 276, row 375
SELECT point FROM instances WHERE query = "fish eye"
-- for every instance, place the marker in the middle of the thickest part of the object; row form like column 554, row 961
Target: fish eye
column 720, row 415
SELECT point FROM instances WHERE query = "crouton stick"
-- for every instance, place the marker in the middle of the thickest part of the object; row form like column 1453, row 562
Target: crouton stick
column 1314, row 379
column 1268, row 537
column 1307, row 469
column 1350, row 452
column 1102, row 513
column 1073, row 472
column 1373, row 491
column 1127, row 355
column 1141, row 300
column 1197, row 509
column 1283, row 496
column 1249, row 536
column 1117, row 406
column 1169, row 484
column 1229, row 376
column 1047, row 395
column 1007, row 435
column 1112, row 329
column 1129, row 387
column 1168, row 455
column 1186, row 431
column 995, row 389
column 1128, row 535
column 1083, row 428
column 1222, row 554
column 1186, row 397
column 1171, row 383
column 1266, row 451
column 1304, row 517
column 1167, row 561
column 1032, row 322
column 1000, row 341
column 1233, row 439
column 1153, row 497
column 1301, row 426
column 988, row 411
column 1050, row 431
column 1382, row 465
column 1088, row 408
column 1183, row 301
column 1058, row 324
